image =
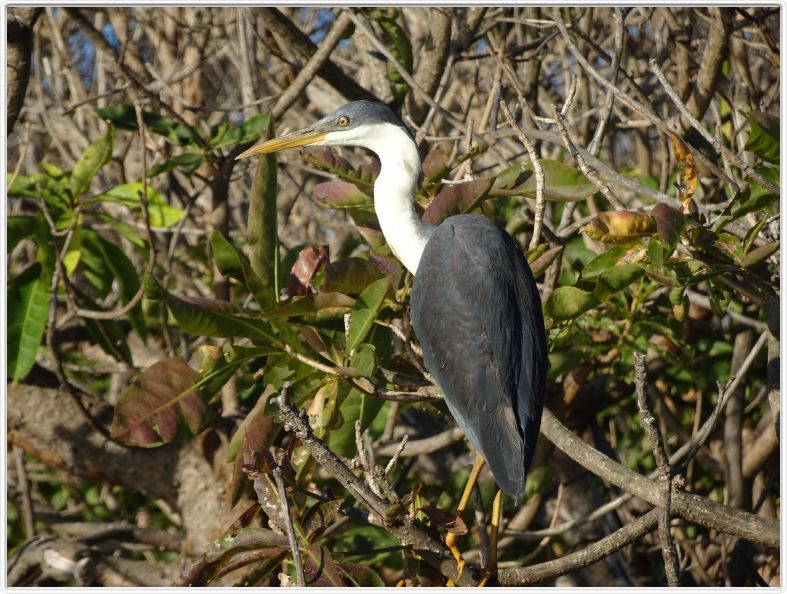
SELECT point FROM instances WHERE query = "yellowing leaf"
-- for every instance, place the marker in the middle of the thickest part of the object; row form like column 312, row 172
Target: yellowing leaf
column 619, row 226
column 686, row 181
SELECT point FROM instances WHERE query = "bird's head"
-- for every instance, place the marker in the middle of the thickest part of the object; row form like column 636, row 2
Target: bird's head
column 360, row 123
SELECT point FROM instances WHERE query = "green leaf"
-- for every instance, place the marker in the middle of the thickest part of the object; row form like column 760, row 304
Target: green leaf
column 252, row 129
column 566, row 303
column 226, row 256
column 231, row 261
column 354, row 405
column 188, row 163
column 18, row 228
column 543, row 261
column 351, row 275
column 365, row 311
column 764, row 136
column 751, row 199
column 401, row 50
column 74, row 252
column 605, row 261
column 616, row 279
column 92, row 160
column 751, row 235
column 111, row 338
column 161, row 405
column 759, row 254
column 27, row 310
column 214, row 318
column 126, row 231
column 161, row 213
column 119, row 268
column 125, row 118
column 561, row 182
column 325, row 304
column 262, row 229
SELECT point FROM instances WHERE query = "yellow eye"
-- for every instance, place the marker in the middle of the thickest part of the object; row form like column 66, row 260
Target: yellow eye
column 343, row 121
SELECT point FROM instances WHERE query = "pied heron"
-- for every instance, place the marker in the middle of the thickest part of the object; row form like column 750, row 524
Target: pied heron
column 474, row 304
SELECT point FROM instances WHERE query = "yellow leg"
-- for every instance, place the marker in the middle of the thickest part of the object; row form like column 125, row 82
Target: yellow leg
column 490, row 571
column 450, row 540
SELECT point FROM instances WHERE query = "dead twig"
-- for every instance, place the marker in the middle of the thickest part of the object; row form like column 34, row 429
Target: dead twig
column 583, row 166
column 285, row 512
column 665, row 471
column 713, row 140
column 28, row 519
column 538, row 170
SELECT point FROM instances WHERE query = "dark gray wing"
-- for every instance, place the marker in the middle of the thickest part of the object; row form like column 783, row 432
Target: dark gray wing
column 476, row 311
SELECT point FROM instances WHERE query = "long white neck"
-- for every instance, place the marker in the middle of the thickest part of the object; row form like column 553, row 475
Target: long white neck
column 400, row 165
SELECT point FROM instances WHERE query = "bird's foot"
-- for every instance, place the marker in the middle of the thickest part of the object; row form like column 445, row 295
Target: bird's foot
column 486, row 575
column 450, row 543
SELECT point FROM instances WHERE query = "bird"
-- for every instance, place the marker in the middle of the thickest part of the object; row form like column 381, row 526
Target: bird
column 474, row 305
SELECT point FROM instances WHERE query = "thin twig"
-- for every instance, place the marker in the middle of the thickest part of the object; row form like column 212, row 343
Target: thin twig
column 583, row 166
column 665, row 471
column 713, row 140
column 625, row 98
column 572, row 89
column 538, row 170
column 395, row 458
column 427, row 445
column 325, row 457
column 285, row 512
column 693, row 446
column 28, row 519
column 595, row 144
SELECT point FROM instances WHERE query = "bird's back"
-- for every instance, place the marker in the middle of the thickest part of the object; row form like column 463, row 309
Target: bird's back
column 476, row 311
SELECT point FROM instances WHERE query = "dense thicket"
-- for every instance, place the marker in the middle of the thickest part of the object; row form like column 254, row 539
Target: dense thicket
column 162, row 294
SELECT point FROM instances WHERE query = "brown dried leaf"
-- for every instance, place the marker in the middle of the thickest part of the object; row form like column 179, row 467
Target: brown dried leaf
column 445, row 520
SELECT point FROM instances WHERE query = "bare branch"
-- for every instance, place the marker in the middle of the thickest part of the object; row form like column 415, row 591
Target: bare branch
column 665, row 471
column 285, row 512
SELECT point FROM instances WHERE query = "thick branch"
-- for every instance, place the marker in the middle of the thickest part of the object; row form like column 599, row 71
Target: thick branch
column 688, row 506
column 534, row 574
column 278, row 23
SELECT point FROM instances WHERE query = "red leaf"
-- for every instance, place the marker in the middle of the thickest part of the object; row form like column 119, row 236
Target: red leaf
column 446, row 520
column 159, row 402
column 669, row 222
column 340, row 194
column 435, row 163
column 304, row 269
column 456, row 199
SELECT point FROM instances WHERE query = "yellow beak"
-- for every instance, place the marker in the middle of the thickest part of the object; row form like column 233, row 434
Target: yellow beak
column 299, row 138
